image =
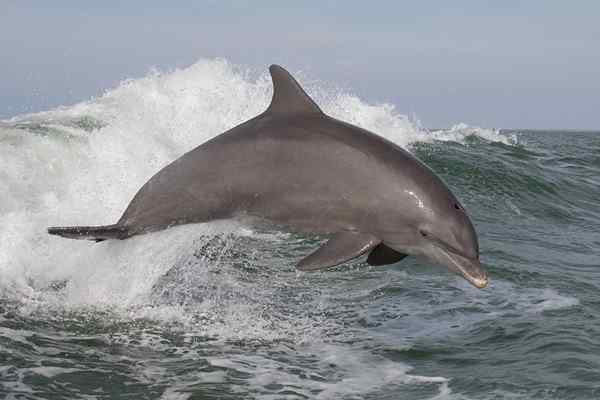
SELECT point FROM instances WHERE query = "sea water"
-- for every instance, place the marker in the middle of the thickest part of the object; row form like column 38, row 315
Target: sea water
column 218, row 310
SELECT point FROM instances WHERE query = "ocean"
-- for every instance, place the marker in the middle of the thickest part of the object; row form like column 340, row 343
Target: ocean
column 218, row 310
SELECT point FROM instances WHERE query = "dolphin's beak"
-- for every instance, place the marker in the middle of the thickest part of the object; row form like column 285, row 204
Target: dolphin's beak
column 470, row 268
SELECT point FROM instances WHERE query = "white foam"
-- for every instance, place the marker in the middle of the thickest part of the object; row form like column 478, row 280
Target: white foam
column 174, row 394
column 549, row 299
column 507, row 298
column 462, row 131
column 335, row 373
column 51, row 372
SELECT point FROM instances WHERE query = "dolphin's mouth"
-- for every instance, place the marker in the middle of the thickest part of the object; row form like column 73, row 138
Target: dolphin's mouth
column 470, row 268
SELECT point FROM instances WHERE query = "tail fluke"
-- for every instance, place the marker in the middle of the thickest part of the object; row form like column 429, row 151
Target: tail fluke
column 95, row 233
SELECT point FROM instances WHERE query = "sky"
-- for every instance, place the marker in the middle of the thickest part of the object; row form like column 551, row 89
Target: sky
column 496, row 64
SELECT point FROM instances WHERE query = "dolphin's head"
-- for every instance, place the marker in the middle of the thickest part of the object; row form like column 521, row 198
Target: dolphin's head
column 442, row 232
column 448, row 238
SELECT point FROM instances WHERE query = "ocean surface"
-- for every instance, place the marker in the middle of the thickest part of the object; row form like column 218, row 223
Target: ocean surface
column 218, row 311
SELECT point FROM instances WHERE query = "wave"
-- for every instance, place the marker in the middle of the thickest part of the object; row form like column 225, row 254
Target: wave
column 191, row 105
column 226, row 300
column 81, row 164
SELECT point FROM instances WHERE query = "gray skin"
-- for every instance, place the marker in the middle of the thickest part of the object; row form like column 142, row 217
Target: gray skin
column 297, row 168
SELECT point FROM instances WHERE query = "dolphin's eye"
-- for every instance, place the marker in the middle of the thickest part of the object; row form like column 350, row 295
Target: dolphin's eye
column 457, row 206
column 423, row 233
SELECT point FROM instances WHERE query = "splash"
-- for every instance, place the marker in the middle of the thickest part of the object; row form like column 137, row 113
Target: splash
column 82, row 164
column 462, row 131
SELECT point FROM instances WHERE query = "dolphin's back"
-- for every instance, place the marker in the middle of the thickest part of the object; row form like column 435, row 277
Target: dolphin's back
column 292, row 165
column 287, row 170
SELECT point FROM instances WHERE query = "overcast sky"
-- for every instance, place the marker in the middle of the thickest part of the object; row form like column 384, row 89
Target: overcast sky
column 511, row 64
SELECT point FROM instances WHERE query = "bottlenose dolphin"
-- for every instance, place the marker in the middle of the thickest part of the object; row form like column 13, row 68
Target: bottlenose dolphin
column 297, row 168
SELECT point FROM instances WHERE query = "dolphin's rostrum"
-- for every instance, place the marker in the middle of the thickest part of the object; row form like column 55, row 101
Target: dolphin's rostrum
column 295, row 167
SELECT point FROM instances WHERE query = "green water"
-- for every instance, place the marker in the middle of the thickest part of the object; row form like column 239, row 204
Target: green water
column 241, row 323
column 218, row 310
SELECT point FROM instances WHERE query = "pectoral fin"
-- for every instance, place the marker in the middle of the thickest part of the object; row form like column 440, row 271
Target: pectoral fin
column 342, row 247
column 384, row 255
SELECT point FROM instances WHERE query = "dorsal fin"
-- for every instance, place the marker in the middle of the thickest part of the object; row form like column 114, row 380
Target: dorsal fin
column 288, row 96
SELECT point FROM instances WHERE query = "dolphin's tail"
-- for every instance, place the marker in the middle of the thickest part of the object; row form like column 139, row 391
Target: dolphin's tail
column 95, row 233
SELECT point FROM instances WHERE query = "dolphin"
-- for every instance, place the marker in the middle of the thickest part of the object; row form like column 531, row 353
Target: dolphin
column 297, row 168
